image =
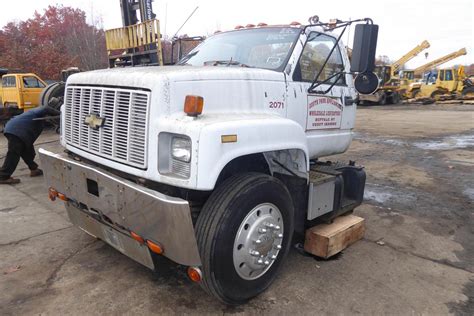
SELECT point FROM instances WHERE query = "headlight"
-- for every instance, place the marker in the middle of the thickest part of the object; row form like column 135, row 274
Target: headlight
column 181, row 149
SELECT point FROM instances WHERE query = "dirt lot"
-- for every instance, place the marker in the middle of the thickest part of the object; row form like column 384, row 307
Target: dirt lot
column 417, row 256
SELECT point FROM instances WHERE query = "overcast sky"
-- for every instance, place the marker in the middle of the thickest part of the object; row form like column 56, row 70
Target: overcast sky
column 447, row 25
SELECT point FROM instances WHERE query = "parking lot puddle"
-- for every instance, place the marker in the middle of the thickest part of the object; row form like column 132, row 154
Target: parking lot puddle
column 451, row 142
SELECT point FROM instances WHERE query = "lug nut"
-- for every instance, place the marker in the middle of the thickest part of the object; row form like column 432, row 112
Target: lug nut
column 262, row 230
column 259, row 261
column 280, row 235
column 277, row 227
column 278, row 247
column 254, row 253
column 274, row 257
column 271, row 226
column 258, row 241
column 267, row 262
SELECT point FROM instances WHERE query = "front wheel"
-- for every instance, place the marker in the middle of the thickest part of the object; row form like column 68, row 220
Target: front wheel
column 244, row 233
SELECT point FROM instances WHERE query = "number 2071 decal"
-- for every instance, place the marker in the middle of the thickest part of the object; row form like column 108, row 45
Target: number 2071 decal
column 276, row 105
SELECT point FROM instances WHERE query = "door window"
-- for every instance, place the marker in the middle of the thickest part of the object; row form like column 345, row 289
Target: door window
column 441, row 75
column 9, row 82
column 449, row 75
column 315, row 52
column 32, row 82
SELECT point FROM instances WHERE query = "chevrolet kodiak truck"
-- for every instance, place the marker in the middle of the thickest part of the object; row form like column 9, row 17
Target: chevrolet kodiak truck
column 213, row 163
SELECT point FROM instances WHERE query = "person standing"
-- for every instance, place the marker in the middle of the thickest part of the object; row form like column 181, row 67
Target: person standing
column 21, row 132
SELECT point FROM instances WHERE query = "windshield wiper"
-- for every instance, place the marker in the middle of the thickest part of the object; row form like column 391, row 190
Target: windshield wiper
column 226, row 63
column 184, row 60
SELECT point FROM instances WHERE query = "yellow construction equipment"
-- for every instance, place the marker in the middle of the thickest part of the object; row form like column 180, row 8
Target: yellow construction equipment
column 131, row 44
column 389, row 80
column 408, row 86
column 407, row 57
column 449, row 81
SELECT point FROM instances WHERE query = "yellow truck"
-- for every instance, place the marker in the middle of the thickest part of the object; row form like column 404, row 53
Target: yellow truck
column 21, row 91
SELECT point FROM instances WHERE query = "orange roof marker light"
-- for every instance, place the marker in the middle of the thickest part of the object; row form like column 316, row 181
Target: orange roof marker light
column 195, row 274
column 262, row 24
column 250, row 25
column 238, row 27
column 193, row 105
column 154, row 247
column 295, row 23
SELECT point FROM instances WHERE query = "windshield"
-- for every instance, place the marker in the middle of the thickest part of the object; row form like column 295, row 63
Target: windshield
column 267, row 48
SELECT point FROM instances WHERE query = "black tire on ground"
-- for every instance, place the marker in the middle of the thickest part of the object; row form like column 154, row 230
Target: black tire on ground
column 468, row 91
column 415, row 93
column 436, row 95
column 383, row 99
column 395, row 98
column 55, row 90
column 218, row 225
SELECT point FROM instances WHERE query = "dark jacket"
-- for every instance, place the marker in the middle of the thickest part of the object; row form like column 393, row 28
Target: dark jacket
column 25, row 127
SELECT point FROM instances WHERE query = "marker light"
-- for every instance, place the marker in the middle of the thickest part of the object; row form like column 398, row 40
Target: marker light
column 194, row 274
column 193, row 105
column 154, row 247
column 137, row 238
column 52, row 194
column 62, row 197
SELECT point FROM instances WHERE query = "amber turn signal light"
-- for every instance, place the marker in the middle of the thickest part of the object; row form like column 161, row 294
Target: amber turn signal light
column 193, row 105
column 154, row 247
column 62, row 197
column 52, row 194
column 137, row 238
column 194, row 274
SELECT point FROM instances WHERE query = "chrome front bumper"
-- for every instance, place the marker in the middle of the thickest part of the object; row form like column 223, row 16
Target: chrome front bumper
column 126, row 206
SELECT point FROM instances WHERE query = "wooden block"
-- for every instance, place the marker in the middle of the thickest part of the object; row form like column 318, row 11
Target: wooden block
column 326, row 240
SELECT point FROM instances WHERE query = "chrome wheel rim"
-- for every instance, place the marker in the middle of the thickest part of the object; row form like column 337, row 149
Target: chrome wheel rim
column 258, row 241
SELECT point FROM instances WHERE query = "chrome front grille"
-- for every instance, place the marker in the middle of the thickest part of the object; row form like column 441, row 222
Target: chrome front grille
column 123, row 136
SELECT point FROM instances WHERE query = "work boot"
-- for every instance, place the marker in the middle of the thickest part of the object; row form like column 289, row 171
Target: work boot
column 36, row 173
column 9, row 181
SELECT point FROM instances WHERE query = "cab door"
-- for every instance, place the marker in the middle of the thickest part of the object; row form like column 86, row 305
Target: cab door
column 326, row 118
column 10, row 95
column 31, row 90
column 449, row 81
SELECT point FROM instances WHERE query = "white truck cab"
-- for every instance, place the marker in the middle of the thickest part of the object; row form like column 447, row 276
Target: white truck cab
column 213, row 162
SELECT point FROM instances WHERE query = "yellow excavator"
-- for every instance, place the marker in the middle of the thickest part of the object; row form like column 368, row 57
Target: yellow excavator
column 407, row 77
column 389, row 81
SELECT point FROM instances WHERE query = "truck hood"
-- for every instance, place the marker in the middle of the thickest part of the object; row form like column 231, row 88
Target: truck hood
column 146, row 77
column 224, row 89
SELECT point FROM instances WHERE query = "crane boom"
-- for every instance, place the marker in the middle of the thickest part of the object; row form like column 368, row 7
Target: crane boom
column 440, row 61
column 408, row 56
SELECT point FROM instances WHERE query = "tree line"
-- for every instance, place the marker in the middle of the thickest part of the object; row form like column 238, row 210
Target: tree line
column 52, row 41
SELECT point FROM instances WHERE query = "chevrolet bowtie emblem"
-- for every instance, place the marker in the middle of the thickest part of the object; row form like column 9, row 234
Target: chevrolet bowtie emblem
column 94, row 121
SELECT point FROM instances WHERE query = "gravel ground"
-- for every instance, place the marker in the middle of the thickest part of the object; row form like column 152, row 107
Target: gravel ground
column 417, row 256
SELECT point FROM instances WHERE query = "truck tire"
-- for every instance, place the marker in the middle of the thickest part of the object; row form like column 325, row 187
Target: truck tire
column 395, row 98
column 243, row 209
column 54, row 90
column 415, row 93
column 468, row 92
column 383, row 99
column 436, row 95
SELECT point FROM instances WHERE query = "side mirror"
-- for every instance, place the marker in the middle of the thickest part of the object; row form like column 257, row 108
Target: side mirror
column 365, row 45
